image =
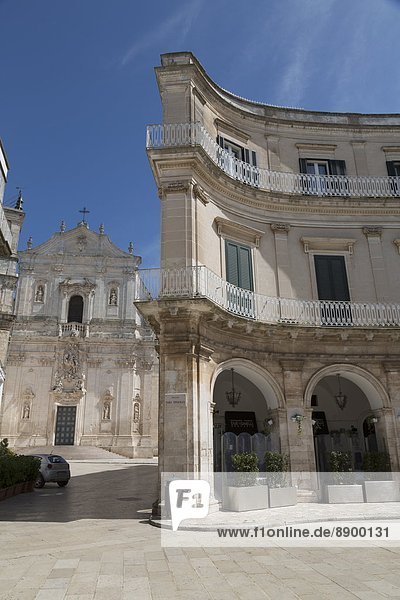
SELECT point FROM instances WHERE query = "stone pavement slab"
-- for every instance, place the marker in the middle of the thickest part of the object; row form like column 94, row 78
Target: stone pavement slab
column 85, row 544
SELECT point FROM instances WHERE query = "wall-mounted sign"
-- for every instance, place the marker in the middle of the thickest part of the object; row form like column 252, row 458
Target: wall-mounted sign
column 175, row 399
column 240, row 421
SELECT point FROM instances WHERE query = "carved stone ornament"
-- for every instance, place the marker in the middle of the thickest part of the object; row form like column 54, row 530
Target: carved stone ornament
column 69, row 379
column 136, row 414
column 130, row 363
column 16, row 359
column 77, row 286
column 81, row 242
column 200, row 194
column 28, row 394
column 174, row 187
column 8, row 282
column 280, row 227
column 146, row 365
column 372, row 231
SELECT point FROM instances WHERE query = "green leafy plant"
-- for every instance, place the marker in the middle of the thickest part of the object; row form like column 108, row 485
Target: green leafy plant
column 277, row 467
column 376, row 462
column 4, row 449
column 15, row 468
column 245, row 466
column 340, row 464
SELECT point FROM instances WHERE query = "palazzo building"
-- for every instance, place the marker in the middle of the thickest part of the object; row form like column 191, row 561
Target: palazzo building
column 11, row 219
column 280, row 275
column 82, row 367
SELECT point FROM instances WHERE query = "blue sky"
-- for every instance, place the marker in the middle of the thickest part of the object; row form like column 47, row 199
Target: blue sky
column 78, row 88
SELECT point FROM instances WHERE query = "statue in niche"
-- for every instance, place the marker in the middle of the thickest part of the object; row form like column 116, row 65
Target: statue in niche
column 39, row 296
column 106, row 411
column 113, row 298
column 136, row 415
column 26, row 412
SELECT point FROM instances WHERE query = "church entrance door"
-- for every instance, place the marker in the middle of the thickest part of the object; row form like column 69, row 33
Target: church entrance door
column 65, row 426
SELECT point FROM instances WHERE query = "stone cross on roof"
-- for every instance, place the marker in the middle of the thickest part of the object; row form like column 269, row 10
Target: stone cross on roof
column 85, row 212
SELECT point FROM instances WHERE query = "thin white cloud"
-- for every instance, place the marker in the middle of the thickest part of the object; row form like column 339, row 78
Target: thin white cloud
column 307, row 40
column 178, row 25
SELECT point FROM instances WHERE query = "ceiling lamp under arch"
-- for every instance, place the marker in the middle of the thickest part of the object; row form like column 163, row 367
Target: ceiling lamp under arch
column 341, row 399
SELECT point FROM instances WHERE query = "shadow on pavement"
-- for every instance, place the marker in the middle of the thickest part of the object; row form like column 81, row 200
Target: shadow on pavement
column 120, row 493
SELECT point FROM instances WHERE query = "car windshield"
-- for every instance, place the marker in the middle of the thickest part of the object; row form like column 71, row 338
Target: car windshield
column 56, row 459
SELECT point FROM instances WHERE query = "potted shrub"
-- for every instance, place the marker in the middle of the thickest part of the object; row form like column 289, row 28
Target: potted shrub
column 243, row 491
column 378, row 486
column 280, row 492
column 343, row 490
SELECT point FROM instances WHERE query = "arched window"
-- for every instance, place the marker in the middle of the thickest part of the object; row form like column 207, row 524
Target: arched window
column 75, row 309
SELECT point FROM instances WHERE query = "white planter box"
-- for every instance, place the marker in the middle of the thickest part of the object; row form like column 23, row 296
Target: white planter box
column 238, row 499
column 344, row 494
column 382, row 491
column 285, row 496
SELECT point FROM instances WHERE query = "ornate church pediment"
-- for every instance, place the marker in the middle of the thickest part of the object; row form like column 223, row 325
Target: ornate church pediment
column 77, row 286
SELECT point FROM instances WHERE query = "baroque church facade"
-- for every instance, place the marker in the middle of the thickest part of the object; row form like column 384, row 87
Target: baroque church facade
column 82, row 367
column 277, row 303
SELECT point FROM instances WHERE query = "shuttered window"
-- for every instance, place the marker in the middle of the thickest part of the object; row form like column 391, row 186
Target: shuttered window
column 331, row 277
column 244, row 154
column 316, row 166
column 238, row 265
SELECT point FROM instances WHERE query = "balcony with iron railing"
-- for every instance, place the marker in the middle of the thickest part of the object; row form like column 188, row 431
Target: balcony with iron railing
column 200, row 282
column 73, row 329
column 194, row 134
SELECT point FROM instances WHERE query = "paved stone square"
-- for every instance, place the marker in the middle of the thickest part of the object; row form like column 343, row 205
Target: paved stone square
column 92, row 541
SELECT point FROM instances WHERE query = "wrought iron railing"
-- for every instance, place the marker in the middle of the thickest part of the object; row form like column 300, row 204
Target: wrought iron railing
column 73, row 329
column 194, row 134
column 195, row 282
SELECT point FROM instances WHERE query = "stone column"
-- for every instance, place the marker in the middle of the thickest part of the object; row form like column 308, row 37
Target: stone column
column 274, row 161
column 386, row 435
column 373, row 235
column 284, row 286
column 177, row 229
column 360, row 158
column 300, row 435
column 185, row 419
column 391, row 415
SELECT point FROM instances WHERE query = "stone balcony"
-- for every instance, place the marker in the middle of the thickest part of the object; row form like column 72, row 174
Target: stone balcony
column 73, row 330
column 200, row 282
column 195, row 135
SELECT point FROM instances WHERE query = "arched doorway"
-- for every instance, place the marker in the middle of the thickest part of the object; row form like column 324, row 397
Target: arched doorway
column 75, row 309
column 346, row 403
column 253, row 410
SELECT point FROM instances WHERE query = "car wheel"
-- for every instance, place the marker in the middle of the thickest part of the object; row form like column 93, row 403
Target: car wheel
column 39, row 483
column 62, row 483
